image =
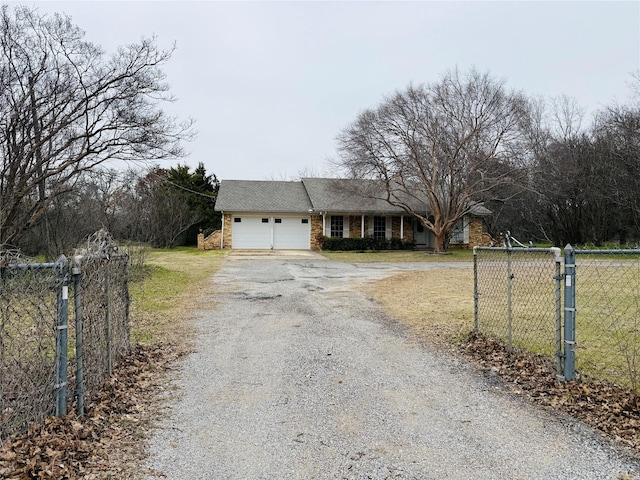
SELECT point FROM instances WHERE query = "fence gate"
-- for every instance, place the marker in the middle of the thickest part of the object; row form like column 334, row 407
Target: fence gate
column 592, row 303
column 51, row 354
column 605, row 294
column 517, row 297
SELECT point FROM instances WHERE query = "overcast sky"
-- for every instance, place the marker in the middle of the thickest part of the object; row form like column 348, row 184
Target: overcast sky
column 271, row 84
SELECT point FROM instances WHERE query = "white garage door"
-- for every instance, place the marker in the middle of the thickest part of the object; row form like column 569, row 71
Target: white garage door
column 291, row 233
column 258, row 233
column 251, row 232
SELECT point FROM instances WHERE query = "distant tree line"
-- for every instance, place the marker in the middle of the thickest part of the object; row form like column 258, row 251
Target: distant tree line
column 156, row 206
column 581, row 185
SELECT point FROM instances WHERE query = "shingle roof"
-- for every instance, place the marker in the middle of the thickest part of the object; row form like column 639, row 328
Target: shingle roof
column 317, row 194
column 262, row 196
column 480, row 210
column 347, row 195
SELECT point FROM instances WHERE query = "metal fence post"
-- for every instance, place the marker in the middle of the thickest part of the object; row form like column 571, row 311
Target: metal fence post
column 62, row 340
column 475, row 289
column 569, row 313
column 77, row 302
column 558, row 278
column 509, row 299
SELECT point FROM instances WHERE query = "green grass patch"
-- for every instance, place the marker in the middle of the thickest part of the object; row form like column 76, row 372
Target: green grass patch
column 159, row 288
column 168, row 290
column 608, row 322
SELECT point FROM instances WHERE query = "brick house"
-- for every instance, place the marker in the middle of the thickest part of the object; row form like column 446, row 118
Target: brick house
column 297, row 215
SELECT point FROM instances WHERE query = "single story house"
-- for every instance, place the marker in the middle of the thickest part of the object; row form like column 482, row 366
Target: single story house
column 297, row 215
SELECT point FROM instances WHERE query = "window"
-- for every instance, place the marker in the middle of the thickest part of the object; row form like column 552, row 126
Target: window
column 278, row 220
column 379, row 228
column 305, row 220
column 457, row 232
column 237, row 220
column 265, row 220
column 337, row 226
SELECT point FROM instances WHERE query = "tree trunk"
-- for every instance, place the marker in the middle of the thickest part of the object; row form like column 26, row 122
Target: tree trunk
column 440, row 238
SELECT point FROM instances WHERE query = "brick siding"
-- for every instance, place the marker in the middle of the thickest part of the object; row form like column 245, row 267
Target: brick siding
column 211, row 242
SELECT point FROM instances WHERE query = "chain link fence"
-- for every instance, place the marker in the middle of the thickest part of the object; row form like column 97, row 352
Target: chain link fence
column 583, row 311
column 101, row 315
column 607, row 285
column 52, row 354
column 28, row 316
column 517, row 297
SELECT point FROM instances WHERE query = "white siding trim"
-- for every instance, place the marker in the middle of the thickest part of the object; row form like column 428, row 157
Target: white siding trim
column 222, row 235
column 467, row 222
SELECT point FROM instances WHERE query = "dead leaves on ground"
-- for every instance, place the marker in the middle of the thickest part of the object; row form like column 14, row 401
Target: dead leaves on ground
column 100, row 444
column 611, row 409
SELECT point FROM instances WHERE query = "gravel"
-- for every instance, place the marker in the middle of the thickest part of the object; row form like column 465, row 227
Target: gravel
column 297, row 375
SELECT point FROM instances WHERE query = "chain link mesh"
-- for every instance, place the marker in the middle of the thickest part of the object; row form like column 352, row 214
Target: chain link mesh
column 28, row 306
column 516, row 297
column 105, row 318
column 608, row 316
column 28, row 317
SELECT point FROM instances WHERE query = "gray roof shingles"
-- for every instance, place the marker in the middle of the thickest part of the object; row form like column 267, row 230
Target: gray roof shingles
column 311, row 194
column 262, row 196
column 347, row 195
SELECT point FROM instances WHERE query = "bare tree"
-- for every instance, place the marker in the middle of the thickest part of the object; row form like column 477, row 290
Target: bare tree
column 439, row 149
column 567, row 117
column 66, row 108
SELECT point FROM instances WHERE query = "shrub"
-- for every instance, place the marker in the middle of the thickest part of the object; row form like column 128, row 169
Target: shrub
column 362, row 244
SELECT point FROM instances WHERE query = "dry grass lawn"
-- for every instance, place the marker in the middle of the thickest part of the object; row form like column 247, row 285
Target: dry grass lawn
column 437, row 305
column 163, row 302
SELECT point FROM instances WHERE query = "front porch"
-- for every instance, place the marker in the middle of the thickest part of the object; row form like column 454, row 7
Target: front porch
column 469, row 231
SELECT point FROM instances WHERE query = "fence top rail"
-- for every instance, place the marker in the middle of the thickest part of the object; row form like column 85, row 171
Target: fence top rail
column 31, row 266
column 555, row 251
column 518, row 249
column 630, row 251
column 60, row 263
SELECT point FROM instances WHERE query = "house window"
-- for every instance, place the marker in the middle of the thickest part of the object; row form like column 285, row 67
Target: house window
column 305, row 220
column 265, row 220
column 379, row 228
column 237, row 220
column 278, row 220
column 337, row 226
column 457, row 232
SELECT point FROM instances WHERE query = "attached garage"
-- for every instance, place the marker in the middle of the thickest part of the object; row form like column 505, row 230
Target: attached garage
column 291, row 233
column 251, row 232
column 277, row 232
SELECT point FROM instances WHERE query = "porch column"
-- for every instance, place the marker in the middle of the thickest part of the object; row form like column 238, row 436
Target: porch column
column 401, row 227
column 222, row 234
column 324, row 224
column 362, row 226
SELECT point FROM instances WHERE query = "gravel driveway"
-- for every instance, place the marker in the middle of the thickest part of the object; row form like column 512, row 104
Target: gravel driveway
column 297, row 375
